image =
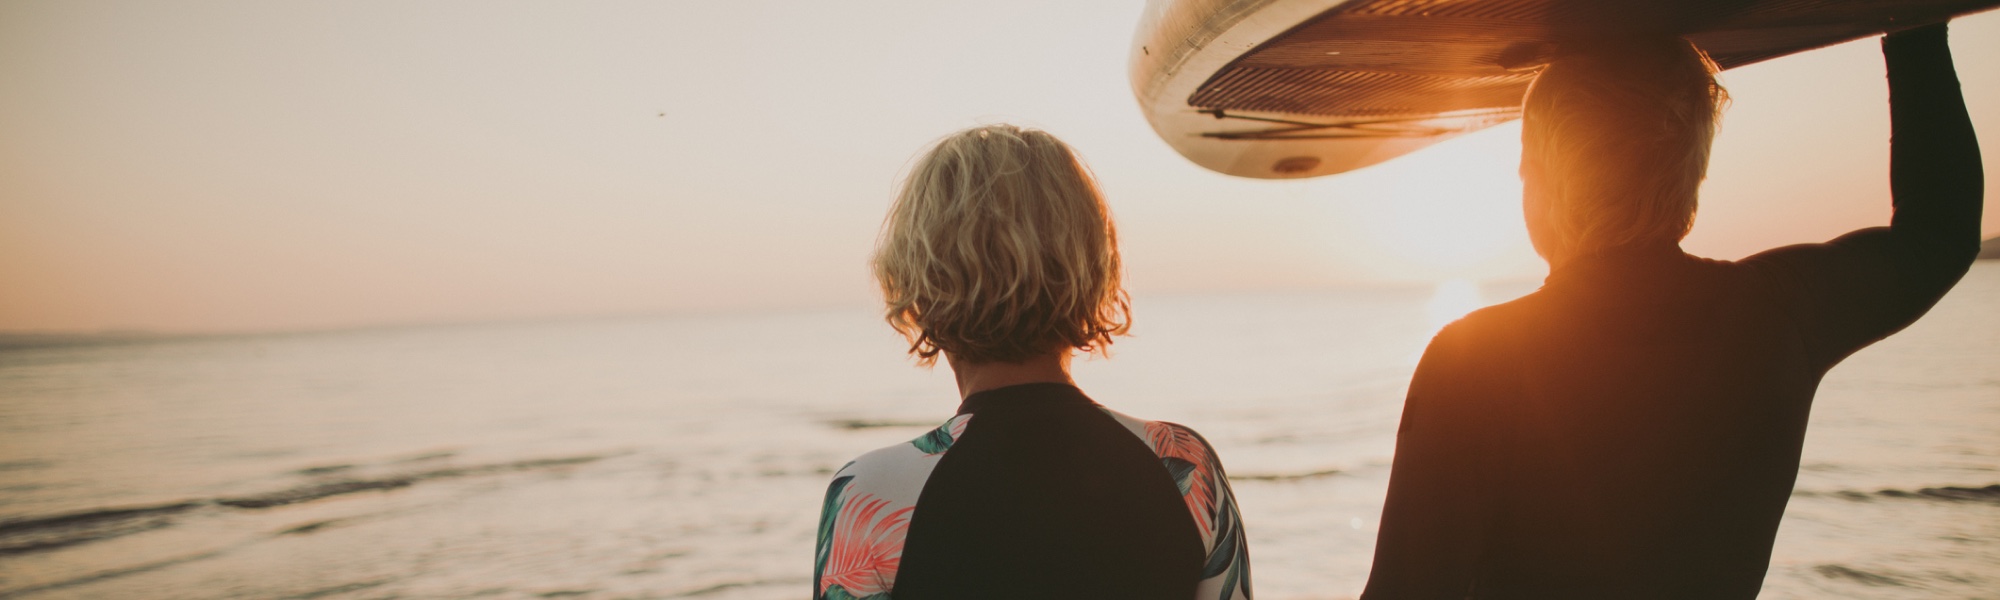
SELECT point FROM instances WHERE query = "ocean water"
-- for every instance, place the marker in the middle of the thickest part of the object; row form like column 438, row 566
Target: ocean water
column 684, row 457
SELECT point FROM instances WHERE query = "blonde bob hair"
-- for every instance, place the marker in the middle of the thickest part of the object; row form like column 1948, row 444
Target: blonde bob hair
column 1615, row 140
column 999, row 248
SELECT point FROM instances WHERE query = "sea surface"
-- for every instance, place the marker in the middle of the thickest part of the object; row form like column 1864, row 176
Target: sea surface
column 685, row 457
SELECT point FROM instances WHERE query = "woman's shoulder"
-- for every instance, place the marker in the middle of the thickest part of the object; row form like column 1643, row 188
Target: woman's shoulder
column 907, row 462
column 1167, row 439
column 1204, row 487
column 866, row 514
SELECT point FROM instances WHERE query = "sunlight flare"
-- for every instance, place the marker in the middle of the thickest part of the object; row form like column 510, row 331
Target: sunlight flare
column 1452, row 299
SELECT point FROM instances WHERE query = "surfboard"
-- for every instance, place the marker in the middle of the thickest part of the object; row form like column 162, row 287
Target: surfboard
column 1276, row 89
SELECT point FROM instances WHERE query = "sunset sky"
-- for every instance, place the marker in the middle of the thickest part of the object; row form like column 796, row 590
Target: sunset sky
column 249, row 166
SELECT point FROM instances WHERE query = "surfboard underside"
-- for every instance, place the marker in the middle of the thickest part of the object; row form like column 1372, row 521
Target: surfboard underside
column 1362, row 81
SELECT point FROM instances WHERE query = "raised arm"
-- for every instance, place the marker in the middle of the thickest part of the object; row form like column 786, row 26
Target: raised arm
column 1935, row 176
column 1441, row 496
column 1868, row 284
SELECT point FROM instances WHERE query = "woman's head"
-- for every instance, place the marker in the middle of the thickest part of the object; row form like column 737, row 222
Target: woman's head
column 1615, row 140
column 999, row 248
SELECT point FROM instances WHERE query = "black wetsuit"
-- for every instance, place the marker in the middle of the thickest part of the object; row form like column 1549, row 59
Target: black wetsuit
column 1632, row 429
column 1034, row 491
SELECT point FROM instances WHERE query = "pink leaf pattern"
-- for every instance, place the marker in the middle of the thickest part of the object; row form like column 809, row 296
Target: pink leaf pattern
column 1173, row 441
column 867, row 546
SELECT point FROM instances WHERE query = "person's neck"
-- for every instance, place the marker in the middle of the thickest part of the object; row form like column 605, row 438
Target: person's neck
column 975, row 377
column 1622, row 253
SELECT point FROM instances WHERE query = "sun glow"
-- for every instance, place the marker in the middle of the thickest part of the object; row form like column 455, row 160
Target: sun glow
column 1451, row 211
column 1451, row 300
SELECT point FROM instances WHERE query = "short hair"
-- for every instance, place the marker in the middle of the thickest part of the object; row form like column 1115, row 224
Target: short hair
column 1000, row 248
column 1618, row 134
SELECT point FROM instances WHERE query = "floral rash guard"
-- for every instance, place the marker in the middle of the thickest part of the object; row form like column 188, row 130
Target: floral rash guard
column 1034, row 491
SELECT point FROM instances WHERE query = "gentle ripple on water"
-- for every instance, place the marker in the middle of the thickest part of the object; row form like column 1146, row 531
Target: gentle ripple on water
column 683, row 457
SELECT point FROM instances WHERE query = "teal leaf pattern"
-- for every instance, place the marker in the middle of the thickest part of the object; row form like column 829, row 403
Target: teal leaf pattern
column 935, row 442
column 1222, row 557
column 939, row 440
column 1231, row 556
column 835, row 592
column 1197, row 472
column 1182, row 472
column 829, row 509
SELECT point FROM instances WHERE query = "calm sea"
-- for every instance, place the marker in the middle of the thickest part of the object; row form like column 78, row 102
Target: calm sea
column 684, row 457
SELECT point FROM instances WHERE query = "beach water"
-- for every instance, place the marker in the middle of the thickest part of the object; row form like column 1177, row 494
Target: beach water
column 685, row 457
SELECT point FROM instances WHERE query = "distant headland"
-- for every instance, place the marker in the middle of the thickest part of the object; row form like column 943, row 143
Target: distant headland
column 1990, row 249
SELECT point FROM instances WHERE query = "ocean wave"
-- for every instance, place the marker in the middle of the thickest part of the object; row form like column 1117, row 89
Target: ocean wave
column 18, row 465
column 339, row 589
column 37, row 534
column 1988, row 494
column 308, row 493
column 323, row 470
column 1833, row 571
column 1284, row 476
column 876, row 423
column 313, row 492
column 731, row 585
column 116, row 573
column 47, row 533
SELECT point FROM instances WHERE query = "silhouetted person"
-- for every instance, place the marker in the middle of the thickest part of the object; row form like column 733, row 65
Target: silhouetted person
column 1632, row 429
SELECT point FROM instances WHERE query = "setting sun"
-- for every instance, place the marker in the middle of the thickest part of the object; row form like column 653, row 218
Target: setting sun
column 1452, row 211
column 1453, row 298
column 1467, row 210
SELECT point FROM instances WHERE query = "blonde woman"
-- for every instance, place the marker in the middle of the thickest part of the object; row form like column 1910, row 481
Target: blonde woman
column 999, row 255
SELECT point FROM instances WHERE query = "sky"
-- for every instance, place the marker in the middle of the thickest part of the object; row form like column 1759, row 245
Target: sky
column 261, row 166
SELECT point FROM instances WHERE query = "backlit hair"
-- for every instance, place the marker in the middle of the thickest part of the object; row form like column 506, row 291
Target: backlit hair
column 999, row 248
column 1617, row 137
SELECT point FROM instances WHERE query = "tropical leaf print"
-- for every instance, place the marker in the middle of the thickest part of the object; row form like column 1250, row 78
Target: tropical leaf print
column 1196, row 470
column 1223, row 554
column 935, row 442
column 1176, row 443
column 939, row 440
column 829, row 510
column 840, row 593
column 867, row 547
column 1230, row 557
column 1182, row 471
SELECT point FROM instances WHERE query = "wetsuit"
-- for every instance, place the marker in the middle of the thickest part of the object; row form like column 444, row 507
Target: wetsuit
column 1632, row 429
column 1034, row 491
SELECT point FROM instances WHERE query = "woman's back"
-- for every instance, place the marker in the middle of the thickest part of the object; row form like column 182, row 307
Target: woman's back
column 1034, row 490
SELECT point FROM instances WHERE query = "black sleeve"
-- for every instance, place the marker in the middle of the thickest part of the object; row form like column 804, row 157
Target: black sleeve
column 1442, row 496
column 1863, row 286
